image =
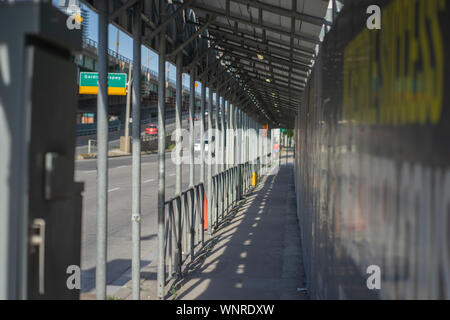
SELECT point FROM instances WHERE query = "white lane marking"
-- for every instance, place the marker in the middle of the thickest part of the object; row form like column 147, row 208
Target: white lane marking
column 113, row 189
column 172, row 174
column 90, row 171
column 121, row 167
column 149, row 180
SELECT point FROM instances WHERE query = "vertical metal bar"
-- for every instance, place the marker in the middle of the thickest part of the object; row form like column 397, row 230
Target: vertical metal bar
column 217, row 135
column 260, row 151
column 248, row 151
column 136, row 168
column 258, row 148
column 222, row 136
column 191, row 159
column 216, row 158
column 202, row 132
column 279, row 151
column 222, row 154
column 268, row 148
column 242, row 136
column 178, row 235
column 255, row 148
column 178, row 150
column 209, row 167
column 179, row 101
column 202, row 156
column 263, row 150
column 246, row 138
column 102, row 151
column 225, row 151
column 238, row 154
column 191, row 128
column 161, row 151
column 127, row 110
column 287, row 148
column 231, row 153
column 244, row 147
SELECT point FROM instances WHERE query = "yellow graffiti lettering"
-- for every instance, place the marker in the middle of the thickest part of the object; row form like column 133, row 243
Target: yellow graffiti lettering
column 395, row 76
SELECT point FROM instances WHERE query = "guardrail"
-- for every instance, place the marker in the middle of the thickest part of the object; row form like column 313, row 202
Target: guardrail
column 91, row 128
column 229, row 186
column 184, row 216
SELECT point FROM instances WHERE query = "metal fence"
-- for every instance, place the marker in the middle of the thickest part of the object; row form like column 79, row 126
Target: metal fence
column 87, row 129
column 185, row 214
column 228, row 187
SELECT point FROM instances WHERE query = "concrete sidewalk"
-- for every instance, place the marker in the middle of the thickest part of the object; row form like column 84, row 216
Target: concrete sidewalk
column 256, row 254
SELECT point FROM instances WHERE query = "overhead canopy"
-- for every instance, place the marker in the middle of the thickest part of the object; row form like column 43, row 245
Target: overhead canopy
column 259, row 52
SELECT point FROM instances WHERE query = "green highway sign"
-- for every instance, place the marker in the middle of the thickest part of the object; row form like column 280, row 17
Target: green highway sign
column 117, row 83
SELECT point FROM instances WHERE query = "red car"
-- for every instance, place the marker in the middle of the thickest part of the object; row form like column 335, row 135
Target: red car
column 195, row 118
column 151, row 129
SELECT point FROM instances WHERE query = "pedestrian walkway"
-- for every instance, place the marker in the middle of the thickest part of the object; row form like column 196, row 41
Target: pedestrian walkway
column 256, row 254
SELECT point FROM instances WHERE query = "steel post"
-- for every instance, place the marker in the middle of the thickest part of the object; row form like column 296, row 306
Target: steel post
column 222, row 135
column 191, row 128
column 136, row 162
column 217, row 134
column 161, row 153
column 191, row 157
column 179, row 101
column 178, row 150
column 233, row 155
column 260, row 146
column 127, row 111
column 238, row 153
column 210, row 161
column 222, row 154
column 202, row 131
column 202, row 152
column 102, row 151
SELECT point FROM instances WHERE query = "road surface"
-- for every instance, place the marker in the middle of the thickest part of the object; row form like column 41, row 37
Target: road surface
column 119, row 214
column 114, row 137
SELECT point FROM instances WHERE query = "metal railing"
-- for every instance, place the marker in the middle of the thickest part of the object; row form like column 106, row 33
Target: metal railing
column 184, row 230
column 228, row 187
column 87, row 129
column 185, row 214
column 91, row 128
